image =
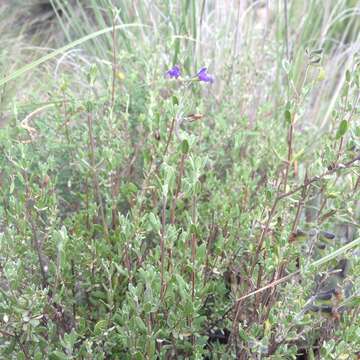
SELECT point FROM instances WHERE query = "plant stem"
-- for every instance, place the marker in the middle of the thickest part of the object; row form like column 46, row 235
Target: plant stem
column 193, row 248
column 178, row 187
column 95, row 174
column 162, row 246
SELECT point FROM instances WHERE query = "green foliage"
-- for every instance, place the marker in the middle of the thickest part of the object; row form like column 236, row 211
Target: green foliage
column 143, row 217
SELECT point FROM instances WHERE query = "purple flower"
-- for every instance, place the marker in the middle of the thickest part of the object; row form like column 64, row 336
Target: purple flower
column 204, row 76
column 174, row 72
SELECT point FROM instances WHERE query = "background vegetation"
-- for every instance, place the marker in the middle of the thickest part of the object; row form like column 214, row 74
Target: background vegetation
column 145, row 217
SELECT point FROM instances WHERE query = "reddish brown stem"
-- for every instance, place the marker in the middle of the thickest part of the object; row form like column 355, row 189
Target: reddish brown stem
column 178, row 187
column 162, row 247
column 289, row 156
column 193, row 249
column 172, row 126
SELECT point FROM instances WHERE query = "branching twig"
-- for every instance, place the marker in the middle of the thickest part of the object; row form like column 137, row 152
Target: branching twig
column 317, row 178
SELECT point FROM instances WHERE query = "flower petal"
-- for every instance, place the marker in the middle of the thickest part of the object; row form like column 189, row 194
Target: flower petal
column 174, row 72
column 204, row 76
column 203, row 70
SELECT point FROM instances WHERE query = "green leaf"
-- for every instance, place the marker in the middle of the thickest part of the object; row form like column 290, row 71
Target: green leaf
column 140, row 324
column 287, row 116
column 12, row 186
column 9, row 348
column 154, row 221
column 92, row 74
column 138, row 356
column 348, row 76
column 357, row 131
column 58, row 355
column 100, row 327
column 188, row 307
column 317, row 52
column 201, row 252
column 129, row 189
column 315, row 60
column 20, row 356
column 175, row 100
column 38, row 356
column 197, row 187
column 185, row 147
column 343, row 127
column 193, row 229
column 286, row 66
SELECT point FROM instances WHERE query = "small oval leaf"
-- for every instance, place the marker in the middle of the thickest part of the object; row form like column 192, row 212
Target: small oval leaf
column 185, row 147
column 348, row 76
column 343, row 127
column 287, row 116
